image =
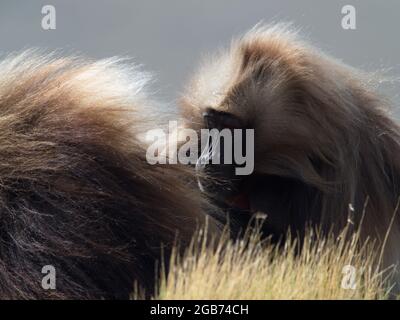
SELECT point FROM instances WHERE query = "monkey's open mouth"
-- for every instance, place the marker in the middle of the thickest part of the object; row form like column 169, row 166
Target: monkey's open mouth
column 229, row 194
column 240, row 200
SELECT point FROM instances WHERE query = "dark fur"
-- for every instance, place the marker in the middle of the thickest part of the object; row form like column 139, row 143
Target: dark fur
column 76, row 191
column 324, row 141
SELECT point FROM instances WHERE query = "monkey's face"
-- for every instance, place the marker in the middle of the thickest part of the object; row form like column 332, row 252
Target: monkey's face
column 241, row 196
column 217, row 157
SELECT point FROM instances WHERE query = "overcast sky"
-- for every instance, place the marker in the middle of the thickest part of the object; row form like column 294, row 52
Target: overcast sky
column 169, row 36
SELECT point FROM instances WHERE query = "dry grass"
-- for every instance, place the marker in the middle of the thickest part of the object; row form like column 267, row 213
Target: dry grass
column 254, row 269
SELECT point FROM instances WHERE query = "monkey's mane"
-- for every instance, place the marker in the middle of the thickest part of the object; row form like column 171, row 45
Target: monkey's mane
column 76, row 191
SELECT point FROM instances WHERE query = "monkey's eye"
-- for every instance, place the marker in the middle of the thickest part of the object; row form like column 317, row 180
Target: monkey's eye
column 220, row 120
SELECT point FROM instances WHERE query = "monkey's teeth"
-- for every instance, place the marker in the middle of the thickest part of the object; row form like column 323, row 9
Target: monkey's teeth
column 259, row 215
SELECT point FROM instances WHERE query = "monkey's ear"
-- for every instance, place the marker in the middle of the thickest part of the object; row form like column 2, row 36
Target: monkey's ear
column 221, row 120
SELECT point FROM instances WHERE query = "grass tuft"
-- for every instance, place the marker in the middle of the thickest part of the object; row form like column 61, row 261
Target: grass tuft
column 252, row 268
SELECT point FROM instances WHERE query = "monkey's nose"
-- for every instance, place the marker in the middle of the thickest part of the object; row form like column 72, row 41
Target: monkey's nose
column 209, row 117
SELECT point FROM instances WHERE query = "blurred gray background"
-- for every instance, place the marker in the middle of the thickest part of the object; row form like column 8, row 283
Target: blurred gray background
column 169, row 37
